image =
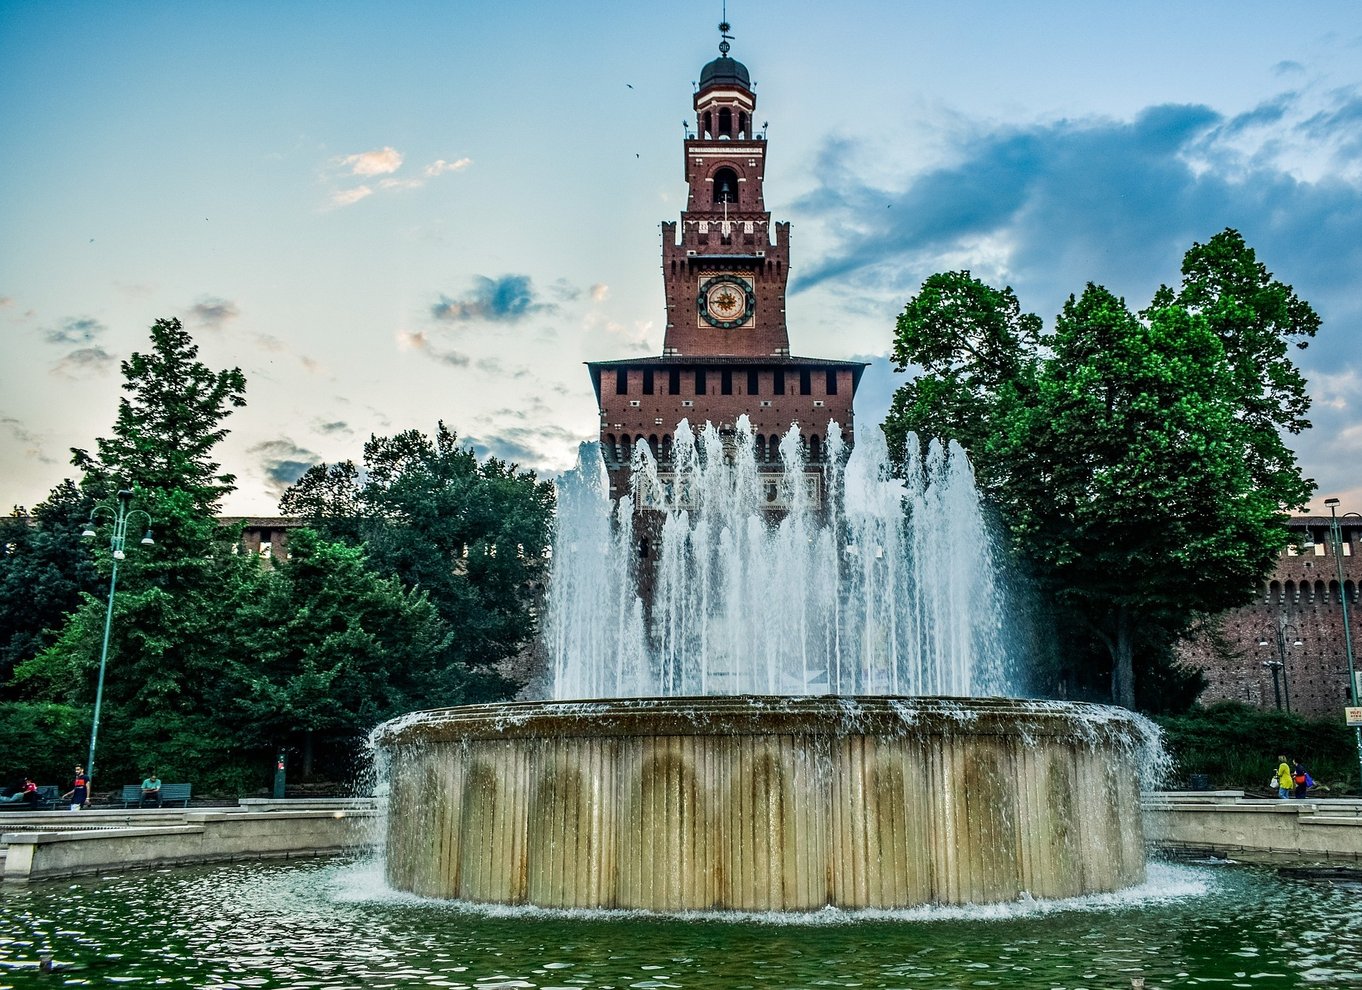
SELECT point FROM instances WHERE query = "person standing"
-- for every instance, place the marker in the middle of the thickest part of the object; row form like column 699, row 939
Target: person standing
column 1285, row 783
column 79, row 794
column 1300, row 777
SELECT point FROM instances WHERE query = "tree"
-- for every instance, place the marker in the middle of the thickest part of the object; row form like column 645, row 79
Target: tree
column 1139, row 473
column 43, row 570
column 331, row 649
column 472, row 534
column 170, row 624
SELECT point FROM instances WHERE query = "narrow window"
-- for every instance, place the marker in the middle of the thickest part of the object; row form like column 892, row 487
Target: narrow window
column 648, row 381
column 832, row 383
column 752, row 381
column 674, row 381
column 699, row 381
column 780, row 383
column 621, row 382
column 805, row 382
column 726, row 382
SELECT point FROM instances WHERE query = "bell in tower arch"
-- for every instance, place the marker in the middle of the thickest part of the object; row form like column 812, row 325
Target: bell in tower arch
column 725, row 187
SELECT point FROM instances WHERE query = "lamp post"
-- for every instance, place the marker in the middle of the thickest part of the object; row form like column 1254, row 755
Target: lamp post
column 121, row 517
column 1279, row 630
column 1336, row 534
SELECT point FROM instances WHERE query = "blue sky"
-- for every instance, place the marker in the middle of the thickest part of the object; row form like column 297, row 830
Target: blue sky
column 393, row 214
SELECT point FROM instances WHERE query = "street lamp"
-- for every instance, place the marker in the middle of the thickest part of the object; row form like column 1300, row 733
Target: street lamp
column 121, row 517
column 1279, row 629
column 1336, row 533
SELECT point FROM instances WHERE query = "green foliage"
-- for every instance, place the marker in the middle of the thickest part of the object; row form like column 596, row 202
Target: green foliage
column 472, row 535
column 41, row 740
column 43, row 570
column 1134, row 459
column 1237, row 746
column 168, row 424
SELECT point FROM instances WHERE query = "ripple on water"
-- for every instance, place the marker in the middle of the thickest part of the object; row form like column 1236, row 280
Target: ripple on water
column 332, row 925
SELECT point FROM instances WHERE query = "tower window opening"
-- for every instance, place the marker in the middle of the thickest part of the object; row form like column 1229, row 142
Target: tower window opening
column 752, row 382
column 726, row 382
column 653, row 445
column 815, row 448
column 609, row 447
column 805, row 382
column 621, row 382
column 779, row 383
column 707, row 125
column 699, row 381
column 832, row 383
column 674, row 381
column 725, row 186
column 742, row 124
column 648, row 381
column 725, row 122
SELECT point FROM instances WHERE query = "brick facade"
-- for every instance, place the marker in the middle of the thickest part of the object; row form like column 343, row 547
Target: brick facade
column 1300, row 598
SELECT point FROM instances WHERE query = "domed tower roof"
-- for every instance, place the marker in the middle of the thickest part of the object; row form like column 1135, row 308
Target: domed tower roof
column 725, row 70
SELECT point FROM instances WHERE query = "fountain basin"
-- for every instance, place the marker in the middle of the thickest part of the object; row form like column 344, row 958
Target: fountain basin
column 756, row 803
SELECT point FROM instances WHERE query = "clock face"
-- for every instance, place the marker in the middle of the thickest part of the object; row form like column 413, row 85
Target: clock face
column 726, row 301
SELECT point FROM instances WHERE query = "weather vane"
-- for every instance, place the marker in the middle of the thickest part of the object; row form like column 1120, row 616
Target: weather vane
column 724, row 36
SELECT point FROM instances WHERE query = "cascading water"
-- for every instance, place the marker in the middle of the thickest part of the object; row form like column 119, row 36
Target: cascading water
column 859, row 584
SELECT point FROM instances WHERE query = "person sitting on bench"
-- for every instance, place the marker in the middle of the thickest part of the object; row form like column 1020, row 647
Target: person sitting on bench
column 29, row 793
column 151, row 790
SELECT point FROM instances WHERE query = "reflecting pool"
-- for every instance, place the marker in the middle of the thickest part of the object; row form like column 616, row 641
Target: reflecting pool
column 331, row 924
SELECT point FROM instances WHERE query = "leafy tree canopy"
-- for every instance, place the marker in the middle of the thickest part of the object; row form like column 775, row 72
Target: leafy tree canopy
column 1136, row 462
column 470, row 533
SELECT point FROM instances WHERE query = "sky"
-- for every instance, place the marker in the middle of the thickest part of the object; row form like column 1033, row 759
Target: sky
column 394, row 214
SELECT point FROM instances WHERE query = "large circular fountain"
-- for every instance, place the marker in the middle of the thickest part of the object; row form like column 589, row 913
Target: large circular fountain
column 826, row 730
column 764, row 804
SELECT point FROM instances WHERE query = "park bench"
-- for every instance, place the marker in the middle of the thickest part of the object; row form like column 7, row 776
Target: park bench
column 170, row 794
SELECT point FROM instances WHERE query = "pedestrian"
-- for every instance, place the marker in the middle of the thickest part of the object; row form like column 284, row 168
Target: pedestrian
column 1285, row 781
column 79, row 794
column 1301, row 778
column 28, row 793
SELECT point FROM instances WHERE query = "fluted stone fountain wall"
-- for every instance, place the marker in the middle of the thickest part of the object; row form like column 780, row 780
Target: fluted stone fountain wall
column 764, row 803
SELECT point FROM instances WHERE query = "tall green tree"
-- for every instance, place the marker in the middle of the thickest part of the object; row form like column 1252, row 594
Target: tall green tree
column 470, row 533
column 330, row 650
column 1138, row 468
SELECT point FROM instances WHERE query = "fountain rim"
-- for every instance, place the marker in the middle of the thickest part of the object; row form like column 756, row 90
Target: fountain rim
column 766, row 715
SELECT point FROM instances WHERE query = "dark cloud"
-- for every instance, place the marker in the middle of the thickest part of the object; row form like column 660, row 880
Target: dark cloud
column 85, row 361
column 74, row 331
column 1052, row 206
column 493, row 366
column 214, row 313
column 32, row 444
column 283, row 462
column 334, row 427
column 508, row 299
column 532, row 447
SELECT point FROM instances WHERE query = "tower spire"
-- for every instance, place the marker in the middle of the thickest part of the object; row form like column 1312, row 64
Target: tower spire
column 724, row 36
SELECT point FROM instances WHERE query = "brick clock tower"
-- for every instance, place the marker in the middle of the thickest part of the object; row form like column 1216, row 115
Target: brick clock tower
column 726, row 349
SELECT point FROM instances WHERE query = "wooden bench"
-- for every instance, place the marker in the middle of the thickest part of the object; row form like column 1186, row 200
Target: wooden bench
column 170, row 793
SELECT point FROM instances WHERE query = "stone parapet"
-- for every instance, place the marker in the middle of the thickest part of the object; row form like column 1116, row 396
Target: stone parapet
column 1276, row 831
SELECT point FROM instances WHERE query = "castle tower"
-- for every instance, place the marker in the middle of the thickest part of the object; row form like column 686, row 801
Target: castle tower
column 726, row 348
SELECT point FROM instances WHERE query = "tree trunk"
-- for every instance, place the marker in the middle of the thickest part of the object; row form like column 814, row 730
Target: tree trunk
column 1122, row 661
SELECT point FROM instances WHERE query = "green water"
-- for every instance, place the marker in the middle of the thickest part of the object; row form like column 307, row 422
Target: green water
column 331, row 924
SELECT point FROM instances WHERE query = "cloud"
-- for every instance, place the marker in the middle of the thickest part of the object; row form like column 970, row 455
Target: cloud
column 440, row 166
column 418, row 340
column 1050, row 206
column 599, row 292
column 334, row 427
column 401, row 183
column 32, row 443
column 346, row 197
column 74, row 331
column 83, row 362
column 6, row 302
column 214, row 313
column 384, row 161
column 283, row 462
column 507, row 299
column 543, row 447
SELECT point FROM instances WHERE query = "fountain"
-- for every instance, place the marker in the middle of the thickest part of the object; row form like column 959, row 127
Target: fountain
column 806, row 715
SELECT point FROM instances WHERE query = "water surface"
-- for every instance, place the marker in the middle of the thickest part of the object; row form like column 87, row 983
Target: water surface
column 332, row 924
